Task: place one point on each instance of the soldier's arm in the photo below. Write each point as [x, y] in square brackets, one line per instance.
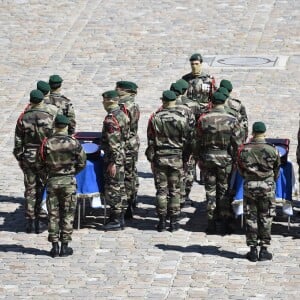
[150, 151]
[81, 158]
[277, 165]
[18, 147]
[71, 116]
[236, 139]
[244, 120]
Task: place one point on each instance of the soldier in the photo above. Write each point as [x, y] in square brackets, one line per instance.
[169, 139]
[259, 164]
[187, 178]
[63, 157]
[236, 108]
[60, 101]
[217, 139]
[33, 125]
[127, 91]
[115, 132]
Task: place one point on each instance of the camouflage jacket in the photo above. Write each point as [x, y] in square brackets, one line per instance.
[298, 149]
[62, 155]
[33, 125]
[65, 106]
[258, 160]
[169, 134]
[115, 133]
[218, 136]
[132, 110]
[200, 87]
[237, 109]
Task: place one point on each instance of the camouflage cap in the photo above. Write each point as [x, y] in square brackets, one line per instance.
[168, 96]
[43, 86]
[184, 84]
[55, 79]
[36, 96]
[226, 84]
[259, 127]
[223, 91]
[176, 88]
[127, 85]
[62, 120]
[196, 56]
[110, 94]
[218, 98]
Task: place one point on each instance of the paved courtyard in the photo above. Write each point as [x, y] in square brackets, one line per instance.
[92, 44]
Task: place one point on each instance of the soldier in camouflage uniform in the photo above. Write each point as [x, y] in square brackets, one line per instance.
[259, 164]
[115, 132]
[127, 91]
[236, 108]
[33, 125]
[169, 139]
[187, 178]
[217, 139]
[62, 157]
[60, 101]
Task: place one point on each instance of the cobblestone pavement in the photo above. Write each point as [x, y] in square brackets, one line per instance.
[93, 44]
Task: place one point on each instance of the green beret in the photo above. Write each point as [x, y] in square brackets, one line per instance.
[36, 96]
[184, 84]
[259, 127]
[218, 98]
[55, 81]
[176, 88]
[127, 85]
[168, 96]
[196, 56]
[43, 86]
[62, 119]
[226, 84]
[223, 91]
[110, 94]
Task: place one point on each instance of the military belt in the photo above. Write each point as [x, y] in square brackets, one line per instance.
[247, 179]
[61, 175]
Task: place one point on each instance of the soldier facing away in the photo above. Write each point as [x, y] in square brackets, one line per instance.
[127, 91]
[63, 103]
[115, 132]
[33, 125]
[259, 164]
[169, 140]
[63, 157]
[217, 139]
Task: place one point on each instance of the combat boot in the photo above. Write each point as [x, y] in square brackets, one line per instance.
[114, 223]
[161, 224]
[211, 227]
[264, 254]
[252, 255]
[129, 212]
[37, 225]
[29, 226]
[65, 250]
[174, 225]
[54, 252]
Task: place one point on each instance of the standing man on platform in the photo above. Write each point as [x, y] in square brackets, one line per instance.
[33, 125]
[127, 91]
[115, 133]
[63, 157]
[217, 139]
[259, 164]
[236, 108]
[60, 101]
[169, 146]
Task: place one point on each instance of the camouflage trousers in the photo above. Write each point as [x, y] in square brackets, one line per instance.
[61, 206]
[167, 178]
[33, 191]
[259, 201]
[131, 179]
[189, 175]
[114, 189]
[216, 180]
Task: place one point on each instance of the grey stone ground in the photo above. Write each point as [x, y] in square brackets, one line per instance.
[93, 44]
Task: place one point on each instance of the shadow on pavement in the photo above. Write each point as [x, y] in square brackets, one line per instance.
[205, 250]
[22, 249]
[145, 174]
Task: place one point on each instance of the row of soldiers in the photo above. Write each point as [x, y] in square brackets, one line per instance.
[200, 124]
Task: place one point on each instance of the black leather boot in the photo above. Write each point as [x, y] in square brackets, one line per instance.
[174, 225]
[65, 250]
[129, 212]
[37, 225]
[29, 226]
[54, 252]
[161, 224]
[252, 255]
[114, 222]
[264, 254]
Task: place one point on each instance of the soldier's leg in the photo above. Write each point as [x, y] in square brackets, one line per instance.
[53, 194]
[210, 189]
[189, 179]
[129, 185]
